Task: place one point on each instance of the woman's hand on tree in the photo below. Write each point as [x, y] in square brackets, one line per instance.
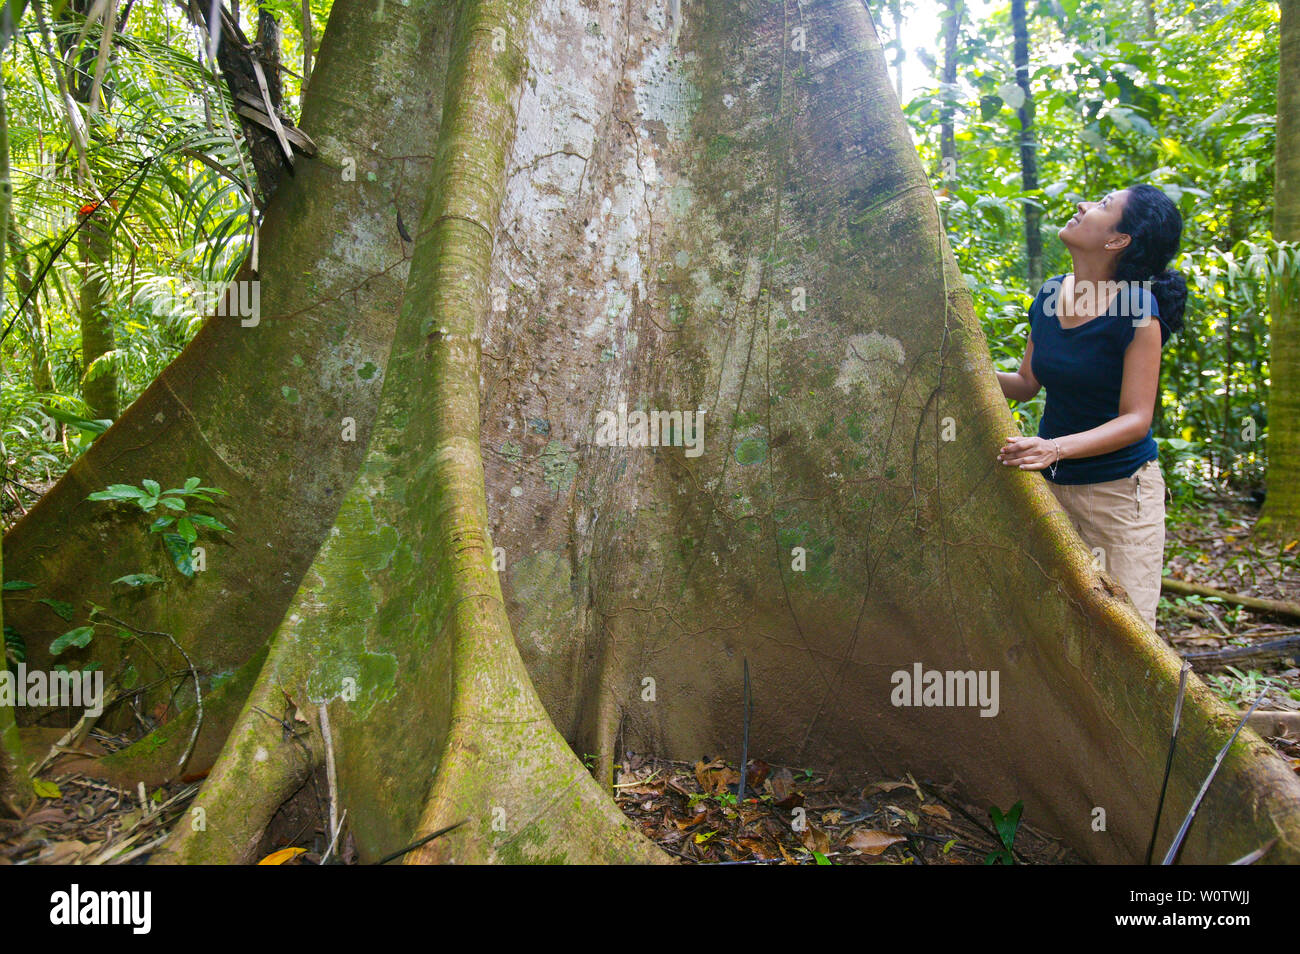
[1028, 453]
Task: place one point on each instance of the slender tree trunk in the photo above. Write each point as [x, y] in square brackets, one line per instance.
[41, 373]
[1280, 516]
[896, 12]
[1028, 148]
[308, 41]
[99, 383]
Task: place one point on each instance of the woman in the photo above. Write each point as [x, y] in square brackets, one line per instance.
[1093, 345]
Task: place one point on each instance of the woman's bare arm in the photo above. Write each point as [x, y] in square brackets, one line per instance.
[1021, 385]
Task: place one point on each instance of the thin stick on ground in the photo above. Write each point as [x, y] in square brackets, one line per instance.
[330, 774]
[416, 844]
[1169, 759]
[1205, 786]
[334, 840]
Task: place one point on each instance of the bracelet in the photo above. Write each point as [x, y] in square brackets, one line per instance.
[1058, 455]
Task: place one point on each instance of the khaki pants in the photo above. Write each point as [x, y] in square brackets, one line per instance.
[1123, 523]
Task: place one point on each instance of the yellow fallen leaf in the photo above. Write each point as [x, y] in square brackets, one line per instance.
[46, 789]
[281, 856]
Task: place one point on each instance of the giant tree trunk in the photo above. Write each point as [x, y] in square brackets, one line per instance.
[1280, 516]
[681, 208]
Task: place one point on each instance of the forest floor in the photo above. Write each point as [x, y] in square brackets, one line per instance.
[790, 815]
[1241, 653]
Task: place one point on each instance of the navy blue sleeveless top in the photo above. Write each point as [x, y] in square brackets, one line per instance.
[1082, 369]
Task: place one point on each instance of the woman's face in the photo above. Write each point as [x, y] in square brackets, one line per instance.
[1094, 225]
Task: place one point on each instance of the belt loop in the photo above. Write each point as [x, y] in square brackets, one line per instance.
[1137, 493]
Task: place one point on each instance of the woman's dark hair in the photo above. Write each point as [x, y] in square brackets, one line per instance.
[1152, 220]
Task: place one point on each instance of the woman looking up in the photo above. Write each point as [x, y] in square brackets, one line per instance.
[1095, 348]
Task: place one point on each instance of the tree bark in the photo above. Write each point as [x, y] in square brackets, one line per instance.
[99, 384]
[1280, 516]
[682, 209]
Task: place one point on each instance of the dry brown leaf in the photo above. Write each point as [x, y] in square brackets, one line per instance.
[46, 816]
[872, 841]
[874, 787]
[714, 777]
[782, 784]
[63, 852]
[814, 839]
[938, 811]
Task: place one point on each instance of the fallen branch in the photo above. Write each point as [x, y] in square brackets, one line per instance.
[1259, 605]
[1266, 651]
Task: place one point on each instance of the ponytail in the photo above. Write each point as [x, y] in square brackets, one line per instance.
[1155, 228]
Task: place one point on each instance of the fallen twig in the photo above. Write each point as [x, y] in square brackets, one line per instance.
[1169, 759]
[423, 841]
[1276, 607]
[1205, 786]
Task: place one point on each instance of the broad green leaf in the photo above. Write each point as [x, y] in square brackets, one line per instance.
[81, 423]
[152, 486]
[186, 529]
[79, 637]
[118, 492]
[203, 520]
[11, 585]
[179, 550]
[63, 609]
[138, 579]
